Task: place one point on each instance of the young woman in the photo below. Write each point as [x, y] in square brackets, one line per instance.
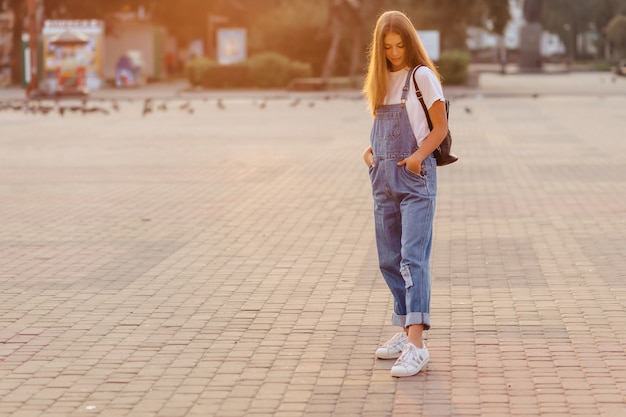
[404, 179]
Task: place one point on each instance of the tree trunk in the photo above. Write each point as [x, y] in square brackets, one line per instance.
[16, 50]
[357, 53]
[332, 51]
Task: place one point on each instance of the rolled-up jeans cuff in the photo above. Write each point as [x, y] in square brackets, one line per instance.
[405, 321]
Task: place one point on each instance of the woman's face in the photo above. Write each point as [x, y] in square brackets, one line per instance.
[394, 50]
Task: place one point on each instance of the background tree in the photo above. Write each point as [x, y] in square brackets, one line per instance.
[344, 14]
[603, 12]
[450, 17]
[18, 7]
[297, 29]
[497, 15]
[616, 33]
[568, 19]
[189, 19]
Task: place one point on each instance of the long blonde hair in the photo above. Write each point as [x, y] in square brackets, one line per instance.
[375, 87]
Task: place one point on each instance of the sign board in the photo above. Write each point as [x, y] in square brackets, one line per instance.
[430, 39]
[231, 45]
[66, 58]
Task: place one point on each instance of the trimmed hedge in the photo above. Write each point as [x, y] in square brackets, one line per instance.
[195, 67]
[454, 67]
[265, 70]
[224, 76]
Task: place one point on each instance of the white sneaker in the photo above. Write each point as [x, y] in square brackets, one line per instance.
[392, 347]
[412, 360]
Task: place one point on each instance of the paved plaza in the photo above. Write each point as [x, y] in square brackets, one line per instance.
[215, 257]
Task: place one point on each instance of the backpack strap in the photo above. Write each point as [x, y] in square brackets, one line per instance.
[421, 99]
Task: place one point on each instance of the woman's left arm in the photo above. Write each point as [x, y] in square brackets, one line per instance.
[437, 113]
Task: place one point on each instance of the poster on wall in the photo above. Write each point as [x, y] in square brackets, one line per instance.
[231, 46]
[73, 53]
[430, 39]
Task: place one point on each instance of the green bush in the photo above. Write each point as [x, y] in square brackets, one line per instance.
[195, 69]
[265, 70]
[602, 66]
[300, 70]
[454, 67]
[269, 69]
[273, 70]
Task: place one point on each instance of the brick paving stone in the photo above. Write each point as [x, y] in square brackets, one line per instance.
[223, 263]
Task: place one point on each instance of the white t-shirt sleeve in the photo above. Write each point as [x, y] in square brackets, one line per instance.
[432, 91]
[429, 85]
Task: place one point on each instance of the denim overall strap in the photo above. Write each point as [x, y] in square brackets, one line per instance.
[405, 89]
[392, 135]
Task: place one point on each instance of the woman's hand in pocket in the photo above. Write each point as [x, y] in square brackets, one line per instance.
[368, 157]
[413, 163]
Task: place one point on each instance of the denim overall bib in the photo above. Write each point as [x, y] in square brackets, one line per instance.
[404, 208]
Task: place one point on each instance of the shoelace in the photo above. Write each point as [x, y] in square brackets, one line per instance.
[395, 340]
[409, 354]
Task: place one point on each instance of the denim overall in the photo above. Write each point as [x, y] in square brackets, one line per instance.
[404, 208]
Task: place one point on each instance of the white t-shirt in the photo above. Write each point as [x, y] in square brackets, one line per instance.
[431, 92]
